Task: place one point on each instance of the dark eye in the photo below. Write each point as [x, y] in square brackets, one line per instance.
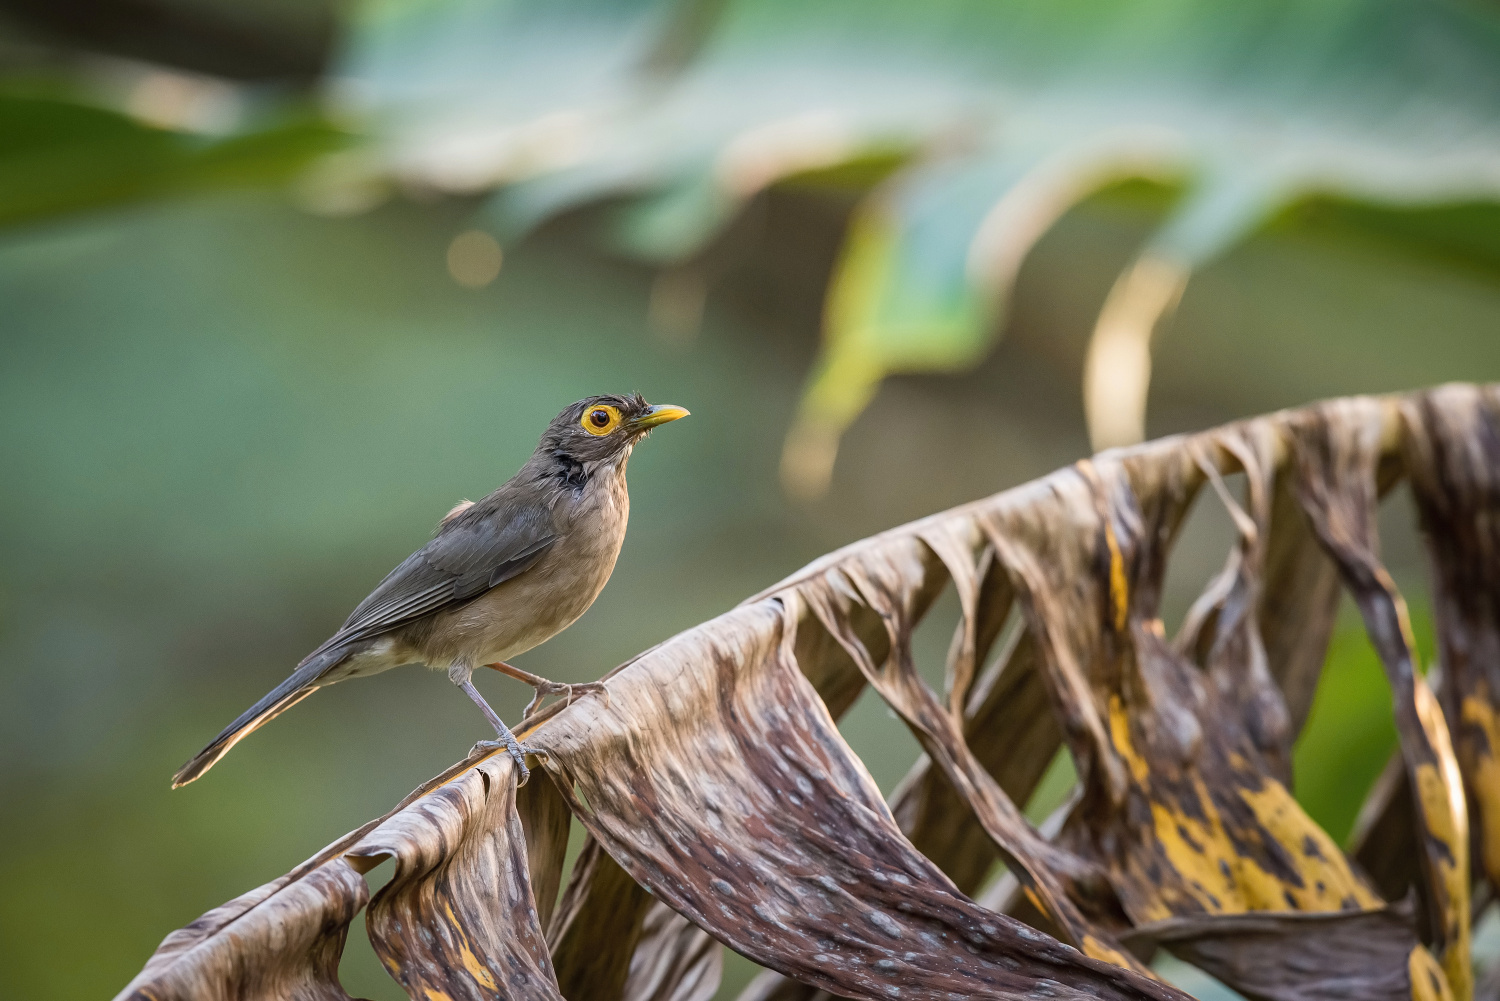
[600, 418]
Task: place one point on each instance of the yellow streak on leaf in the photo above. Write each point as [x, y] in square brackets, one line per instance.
[1095, 949]
[1440, 790]
[1219, 878]
[1427, 980]
[1432, 792]
[1119, 735]
[1281, 815]
[475, 968]
[1119, 590]
[1478, 712]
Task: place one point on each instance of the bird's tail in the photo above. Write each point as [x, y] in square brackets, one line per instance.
[302, 683]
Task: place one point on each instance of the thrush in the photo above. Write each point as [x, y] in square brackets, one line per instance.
[500, 576]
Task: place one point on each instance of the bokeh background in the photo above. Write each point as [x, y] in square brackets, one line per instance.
[253, 346]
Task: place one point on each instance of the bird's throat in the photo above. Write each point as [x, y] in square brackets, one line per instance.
[569, 472]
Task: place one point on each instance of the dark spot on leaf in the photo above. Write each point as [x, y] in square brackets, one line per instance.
[1182, 833]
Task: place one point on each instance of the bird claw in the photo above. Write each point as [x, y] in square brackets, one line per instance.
[518, 752]
[570, 692]
[543, 687]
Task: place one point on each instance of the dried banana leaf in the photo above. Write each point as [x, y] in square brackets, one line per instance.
[877, 583]
[599, 923]
[1283, 957]
[723, 806]
[752, 818]
[281, 940]
[1183, 802]
[545, 820]
[1012, 733]
[675, 960]
[457, 919]
[1338, 447]
[1452, 452]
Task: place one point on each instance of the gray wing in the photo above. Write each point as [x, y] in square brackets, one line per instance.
[466, 558]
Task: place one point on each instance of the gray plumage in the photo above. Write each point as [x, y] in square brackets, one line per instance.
[499, 577]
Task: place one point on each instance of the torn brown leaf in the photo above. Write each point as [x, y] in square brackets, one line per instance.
[1235, 655]
[1384, 840]
[881, 586]
[1306, 957]
[674, 960]
[716, 777]
[1203, 827]
[1338, 446]
[457, 920]
[545, 820]
[1012, 733]
[1299, 602]
[279, 942]
[1199, 824]
[1452, 452]
[597, 927]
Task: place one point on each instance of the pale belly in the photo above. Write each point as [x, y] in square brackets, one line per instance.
[517, 615]
[500, 624]
[520, 614]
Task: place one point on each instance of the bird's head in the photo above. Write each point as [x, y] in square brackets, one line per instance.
[601, 428]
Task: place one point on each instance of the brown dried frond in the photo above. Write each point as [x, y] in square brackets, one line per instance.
[722, 805]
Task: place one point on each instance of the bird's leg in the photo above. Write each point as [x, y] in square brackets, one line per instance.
[545, 688]
[508, 740]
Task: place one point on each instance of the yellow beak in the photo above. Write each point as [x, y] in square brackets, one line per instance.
[660, 414]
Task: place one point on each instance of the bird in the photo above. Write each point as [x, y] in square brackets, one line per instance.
[500, 576]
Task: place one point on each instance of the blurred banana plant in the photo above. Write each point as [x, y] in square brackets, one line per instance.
[991, 119]
[974, 125]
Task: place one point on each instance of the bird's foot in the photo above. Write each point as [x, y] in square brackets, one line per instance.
[570, 692]
[518, 752]
[544, 687]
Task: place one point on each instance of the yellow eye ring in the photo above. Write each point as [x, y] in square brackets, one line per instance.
[600, 420]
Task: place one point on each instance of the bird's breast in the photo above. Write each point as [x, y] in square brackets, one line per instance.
[530, 609]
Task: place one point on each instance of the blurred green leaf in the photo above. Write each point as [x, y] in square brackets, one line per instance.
[1464, 235]
[1007, 114]
[59, 156]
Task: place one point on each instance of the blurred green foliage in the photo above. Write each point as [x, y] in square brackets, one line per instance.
[983, 124]
[993, 120]
[59, 156]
